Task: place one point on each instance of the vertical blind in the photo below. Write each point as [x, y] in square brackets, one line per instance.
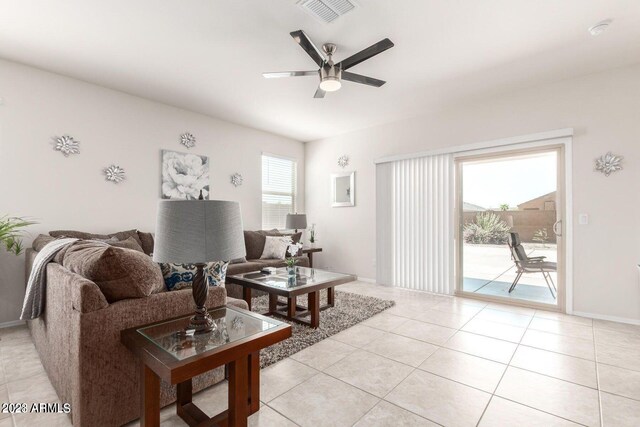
[414, 223]
[278, 190]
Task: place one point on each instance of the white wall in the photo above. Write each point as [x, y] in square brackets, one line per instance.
[112, 127]
[604, 110]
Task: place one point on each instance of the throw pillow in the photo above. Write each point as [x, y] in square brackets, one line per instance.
[119, 273]
[147, 242]
[121, 235]
[275, 247]
[180, 276]
[41, 241]
[128, 243]
[254, 244]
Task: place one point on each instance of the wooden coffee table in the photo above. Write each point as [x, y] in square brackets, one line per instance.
[168, 353]
[309, 281]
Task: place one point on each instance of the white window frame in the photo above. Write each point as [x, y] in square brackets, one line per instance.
[293, 193]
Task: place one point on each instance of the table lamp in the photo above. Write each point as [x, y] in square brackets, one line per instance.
[296, 221]
[198, 232]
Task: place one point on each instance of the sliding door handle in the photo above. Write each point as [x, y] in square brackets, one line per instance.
[557, 228]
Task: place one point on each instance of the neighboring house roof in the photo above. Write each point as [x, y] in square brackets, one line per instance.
[538, 202]
[470, 207]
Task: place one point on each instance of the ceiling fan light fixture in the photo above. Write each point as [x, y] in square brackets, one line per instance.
[330, 84]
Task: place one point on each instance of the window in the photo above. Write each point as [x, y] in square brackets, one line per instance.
[278, 190]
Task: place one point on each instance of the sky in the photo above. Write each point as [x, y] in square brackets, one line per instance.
[510, 180]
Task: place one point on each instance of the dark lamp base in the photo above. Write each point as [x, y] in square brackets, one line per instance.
[201, 322]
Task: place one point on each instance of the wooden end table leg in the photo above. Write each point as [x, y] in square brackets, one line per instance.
[291, 307]
[314, 308]
[331, 296]
[150, 401]
[185, 408]
[246, 295]
[273, 303]
[310, 256]
[254, 382]
[238, 392]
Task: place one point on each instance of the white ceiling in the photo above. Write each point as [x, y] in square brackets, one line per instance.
[208, 55]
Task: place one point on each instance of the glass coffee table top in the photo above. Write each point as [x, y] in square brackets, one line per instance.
[230, 325]
[281, 279]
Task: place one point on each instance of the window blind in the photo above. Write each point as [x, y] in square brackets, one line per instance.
[278, 191]
[414, 230]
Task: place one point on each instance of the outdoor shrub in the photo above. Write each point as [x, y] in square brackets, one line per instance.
[541, 236]
[488, 228]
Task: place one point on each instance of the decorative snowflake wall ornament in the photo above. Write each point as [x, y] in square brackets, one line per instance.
[188, 140]
[609, 163]
[343, 161]
[66, 145]
[236, 179]
[115, 174]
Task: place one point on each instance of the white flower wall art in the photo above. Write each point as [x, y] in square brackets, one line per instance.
[66, 145]
[115, 174]
[184, 175]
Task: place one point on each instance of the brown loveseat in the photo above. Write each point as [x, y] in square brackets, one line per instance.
[78, 335]
[254, 243]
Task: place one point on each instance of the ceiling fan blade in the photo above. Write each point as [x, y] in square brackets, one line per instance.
[358, 78]
[365, 54]
[319, 93]
[305, 42]
[277, 74]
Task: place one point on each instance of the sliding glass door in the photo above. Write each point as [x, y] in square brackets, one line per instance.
[509, 212]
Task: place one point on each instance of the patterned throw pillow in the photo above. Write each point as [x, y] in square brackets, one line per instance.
[180, 276]
[275, 247]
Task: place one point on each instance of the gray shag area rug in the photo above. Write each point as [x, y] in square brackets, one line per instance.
[350, 309]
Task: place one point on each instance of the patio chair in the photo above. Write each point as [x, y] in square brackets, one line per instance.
[526, 264]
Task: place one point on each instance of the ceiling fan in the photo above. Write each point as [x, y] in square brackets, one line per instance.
[330, 73]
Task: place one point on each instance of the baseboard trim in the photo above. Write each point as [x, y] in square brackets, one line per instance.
[12, 323]
[607, 317]
[365, 279]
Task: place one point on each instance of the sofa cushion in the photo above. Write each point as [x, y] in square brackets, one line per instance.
[119, 273]
[254, 241]
[296, 237]
[41, 241]
[128, 243]
[275, 247]
[147, 242]
[254, 244]
[180, 276]
[120, 235]
[301, 261]
[245, 267]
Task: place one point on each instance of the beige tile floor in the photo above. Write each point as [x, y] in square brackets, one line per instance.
[431, 360]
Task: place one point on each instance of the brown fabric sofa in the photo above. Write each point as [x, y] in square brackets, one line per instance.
[78, 339]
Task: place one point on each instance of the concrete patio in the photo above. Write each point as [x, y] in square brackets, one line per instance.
[489, 270]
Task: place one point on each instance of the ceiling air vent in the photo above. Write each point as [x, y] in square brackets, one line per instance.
[327, 10]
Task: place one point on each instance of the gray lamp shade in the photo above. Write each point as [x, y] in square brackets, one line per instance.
[296, 221]
[198, 231]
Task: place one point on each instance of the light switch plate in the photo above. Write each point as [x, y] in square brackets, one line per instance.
[583, 219]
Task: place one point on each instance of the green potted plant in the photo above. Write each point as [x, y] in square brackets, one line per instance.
[11, 231]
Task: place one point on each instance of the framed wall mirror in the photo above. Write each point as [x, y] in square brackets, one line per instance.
[343, 189]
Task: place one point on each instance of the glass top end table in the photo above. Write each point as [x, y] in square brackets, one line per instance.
[230, 325]
[168, 352]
